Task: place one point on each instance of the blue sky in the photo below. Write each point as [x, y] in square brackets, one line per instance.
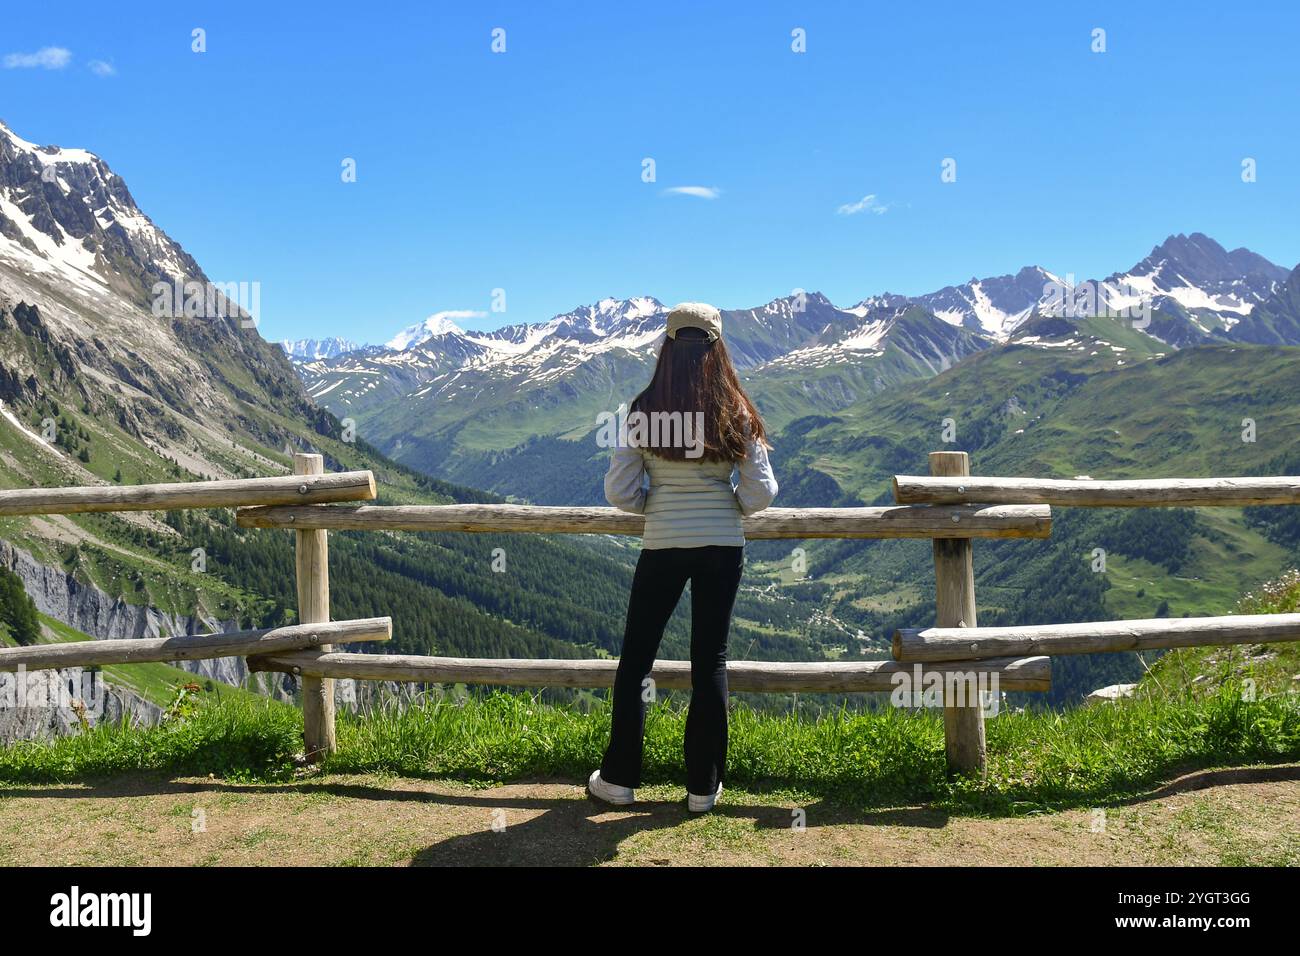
[523, 170]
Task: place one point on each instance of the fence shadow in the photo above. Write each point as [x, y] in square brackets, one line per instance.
[896, 809]
[1208, 779]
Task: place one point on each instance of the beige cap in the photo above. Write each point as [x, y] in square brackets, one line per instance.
[695, 315]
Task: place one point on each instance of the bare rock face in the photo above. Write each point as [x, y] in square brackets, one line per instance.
[88, 609]
[1112, 692]
[43, 705]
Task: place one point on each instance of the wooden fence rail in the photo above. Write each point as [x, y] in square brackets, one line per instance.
[960, 521]
[192, 647]
[967, 643]
[1029, 674]
[1144, 493]
[231, 493]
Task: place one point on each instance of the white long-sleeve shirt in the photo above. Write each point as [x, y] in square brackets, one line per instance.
[692, 503]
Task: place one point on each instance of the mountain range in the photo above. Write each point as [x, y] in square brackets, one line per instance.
[307, 349]
[438, 397]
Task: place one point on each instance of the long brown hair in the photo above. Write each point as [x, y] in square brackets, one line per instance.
[694, 375]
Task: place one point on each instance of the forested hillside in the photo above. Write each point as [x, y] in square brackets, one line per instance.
[1024, 411]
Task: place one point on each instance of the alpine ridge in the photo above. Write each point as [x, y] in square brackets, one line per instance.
[437, 390]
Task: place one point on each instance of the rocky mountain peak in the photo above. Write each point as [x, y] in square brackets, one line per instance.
[1197, 258]
[65, 212]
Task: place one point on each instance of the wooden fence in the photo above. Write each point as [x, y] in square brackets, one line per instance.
[949, 507]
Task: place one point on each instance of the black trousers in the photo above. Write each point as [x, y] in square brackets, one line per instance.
[661, 575]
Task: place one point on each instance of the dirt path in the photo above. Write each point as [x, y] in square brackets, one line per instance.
[1232, 817]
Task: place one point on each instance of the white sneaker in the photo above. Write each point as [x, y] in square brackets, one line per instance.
[609, 792]
[702, 804]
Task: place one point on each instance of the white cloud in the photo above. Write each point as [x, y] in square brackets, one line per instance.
[47, 58]
[699, 192]
[102, 68]
[865, 204]
[440, 323]
[456, 314]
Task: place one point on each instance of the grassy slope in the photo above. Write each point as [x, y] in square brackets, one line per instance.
[1036, 412]
[1030, 411]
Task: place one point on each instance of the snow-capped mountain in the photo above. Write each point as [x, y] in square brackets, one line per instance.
[869, 330]
[435, 383]
[309, 349]
[1194, 286]
[992, 307]
[435, 359]
[1189, 290]
[1276, 320]
[554, 377]
[80, 265]
[597, 322]
[440, 323]
[1197, 274]
[588, 323]
[1199, 288]
[66, 217]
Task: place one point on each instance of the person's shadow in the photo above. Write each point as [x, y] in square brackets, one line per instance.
[584, 832]
[569, 832]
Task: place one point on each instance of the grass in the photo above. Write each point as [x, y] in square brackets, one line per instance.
[230, 737]
[1092, 756]
[1197, 708]
[1222, 562]
[1271, 668]
[1086, 757]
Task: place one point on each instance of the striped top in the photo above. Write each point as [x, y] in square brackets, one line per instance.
[691, 503]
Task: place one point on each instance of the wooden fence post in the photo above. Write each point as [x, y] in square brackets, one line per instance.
[311, 561]
[954, 581]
